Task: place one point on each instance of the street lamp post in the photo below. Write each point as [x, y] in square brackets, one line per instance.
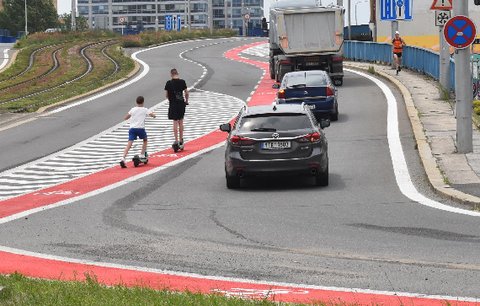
[26, 20]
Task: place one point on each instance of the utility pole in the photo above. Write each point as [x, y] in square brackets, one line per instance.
[26, 19]
[463, 90]
[243, 19]
[74, 16]
[210, 15]
[373, 19]
[349, 19]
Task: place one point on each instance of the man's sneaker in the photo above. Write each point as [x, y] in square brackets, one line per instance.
[180, 145]
[122, 164]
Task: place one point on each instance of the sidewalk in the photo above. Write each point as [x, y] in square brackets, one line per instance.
[452, 174]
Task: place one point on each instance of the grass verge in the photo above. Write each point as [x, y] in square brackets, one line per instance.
[20, 290]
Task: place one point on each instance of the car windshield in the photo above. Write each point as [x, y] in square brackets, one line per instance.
[306, 80]
[274, 122]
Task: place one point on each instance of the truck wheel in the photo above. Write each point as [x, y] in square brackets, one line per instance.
[282, 70]
[338, 82]
[272, 71]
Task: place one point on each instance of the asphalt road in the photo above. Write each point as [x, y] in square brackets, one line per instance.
[360, 231]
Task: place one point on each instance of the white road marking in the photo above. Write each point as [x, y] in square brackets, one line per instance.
[5, 59]
[236, 280]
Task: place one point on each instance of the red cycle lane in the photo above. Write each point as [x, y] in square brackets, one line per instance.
[51, 267]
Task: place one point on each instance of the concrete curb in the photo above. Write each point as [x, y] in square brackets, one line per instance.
[429, 162]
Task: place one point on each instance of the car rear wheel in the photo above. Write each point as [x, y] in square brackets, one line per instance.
[233, 182]
[334, 117]
[321, 179]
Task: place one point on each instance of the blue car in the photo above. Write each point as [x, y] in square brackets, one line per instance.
[312, 87]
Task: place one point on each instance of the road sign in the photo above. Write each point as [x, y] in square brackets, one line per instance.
[441, 17]
[396, 10]
[122, 19]
[444, 5]
[177, 23]
[460, 32]
[247, 17]
[168, 22]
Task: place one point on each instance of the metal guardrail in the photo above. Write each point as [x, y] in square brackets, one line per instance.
[414, 58]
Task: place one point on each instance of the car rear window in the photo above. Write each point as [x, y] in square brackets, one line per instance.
[311, 80]
[275, 122]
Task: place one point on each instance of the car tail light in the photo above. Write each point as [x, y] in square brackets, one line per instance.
[241, 141]
[330, 91]
[281, 94]
[312, 137]
[337, 58]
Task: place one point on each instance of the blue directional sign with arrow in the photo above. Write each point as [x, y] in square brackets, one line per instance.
[460, 32]
[396, 10]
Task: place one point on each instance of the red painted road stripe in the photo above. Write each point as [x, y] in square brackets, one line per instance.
[109, 274]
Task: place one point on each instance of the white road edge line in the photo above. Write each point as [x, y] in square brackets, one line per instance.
[5, 59]
[233, 279]
[402, 175]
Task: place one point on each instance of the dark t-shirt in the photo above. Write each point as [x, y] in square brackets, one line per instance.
[174, 85]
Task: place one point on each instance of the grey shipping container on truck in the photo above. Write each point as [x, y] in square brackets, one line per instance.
[304, 36]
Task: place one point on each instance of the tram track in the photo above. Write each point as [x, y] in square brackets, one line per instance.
[89, 67]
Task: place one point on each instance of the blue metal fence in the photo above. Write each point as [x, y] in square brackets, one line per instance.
[414, 58]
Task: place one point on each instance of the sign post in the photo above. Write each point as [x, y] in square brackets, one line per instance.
[460, 33]
[442, 15]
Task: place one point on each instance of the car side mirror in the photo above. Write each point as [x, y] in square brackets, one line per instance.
[324, 123]
[276, 86]
[225, 127]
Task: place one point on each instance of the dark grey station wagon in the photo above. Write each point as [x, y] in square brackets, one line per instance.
[276, 139]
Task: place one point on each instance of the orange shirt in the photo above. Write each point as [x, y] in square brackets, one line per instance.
[397, 45]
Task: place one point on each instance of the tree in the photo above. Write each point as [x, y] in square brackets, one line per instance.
[41, 15]
[82, 22]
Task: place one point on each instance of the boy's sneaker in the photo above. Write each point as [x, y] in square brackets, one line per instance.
[122, 164]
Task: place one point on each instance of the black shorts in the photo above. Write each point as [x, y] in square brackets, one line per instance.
[399, 54]
[176, 111]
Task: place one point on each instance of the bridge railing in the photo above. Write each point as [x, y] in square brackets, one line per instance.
[414, 58]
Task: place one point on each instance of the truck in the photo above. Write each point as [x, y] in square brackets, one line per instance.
[304, 35]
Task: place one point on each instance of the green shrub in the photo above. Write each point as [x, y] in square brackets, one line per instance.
[476, 109]
[476, 103]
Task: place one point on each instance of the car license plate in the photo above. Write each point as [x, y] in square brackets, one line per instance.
[276, 145]
[311, 106]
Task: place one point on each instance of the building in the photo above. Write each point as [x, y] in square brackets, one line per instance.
[117, 15]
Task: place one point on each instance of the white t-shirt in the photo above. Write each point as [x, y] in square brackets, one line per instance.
[138, 115]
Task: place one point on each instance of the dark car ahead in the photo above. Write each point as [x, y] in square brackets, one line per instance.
[276, 139]
[312, 87]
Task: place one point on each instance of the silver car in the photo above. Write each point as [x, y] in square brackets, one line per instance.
[276, 139]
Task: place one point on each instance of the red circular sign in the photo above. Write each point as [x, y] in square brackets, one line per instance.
[459, 32]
